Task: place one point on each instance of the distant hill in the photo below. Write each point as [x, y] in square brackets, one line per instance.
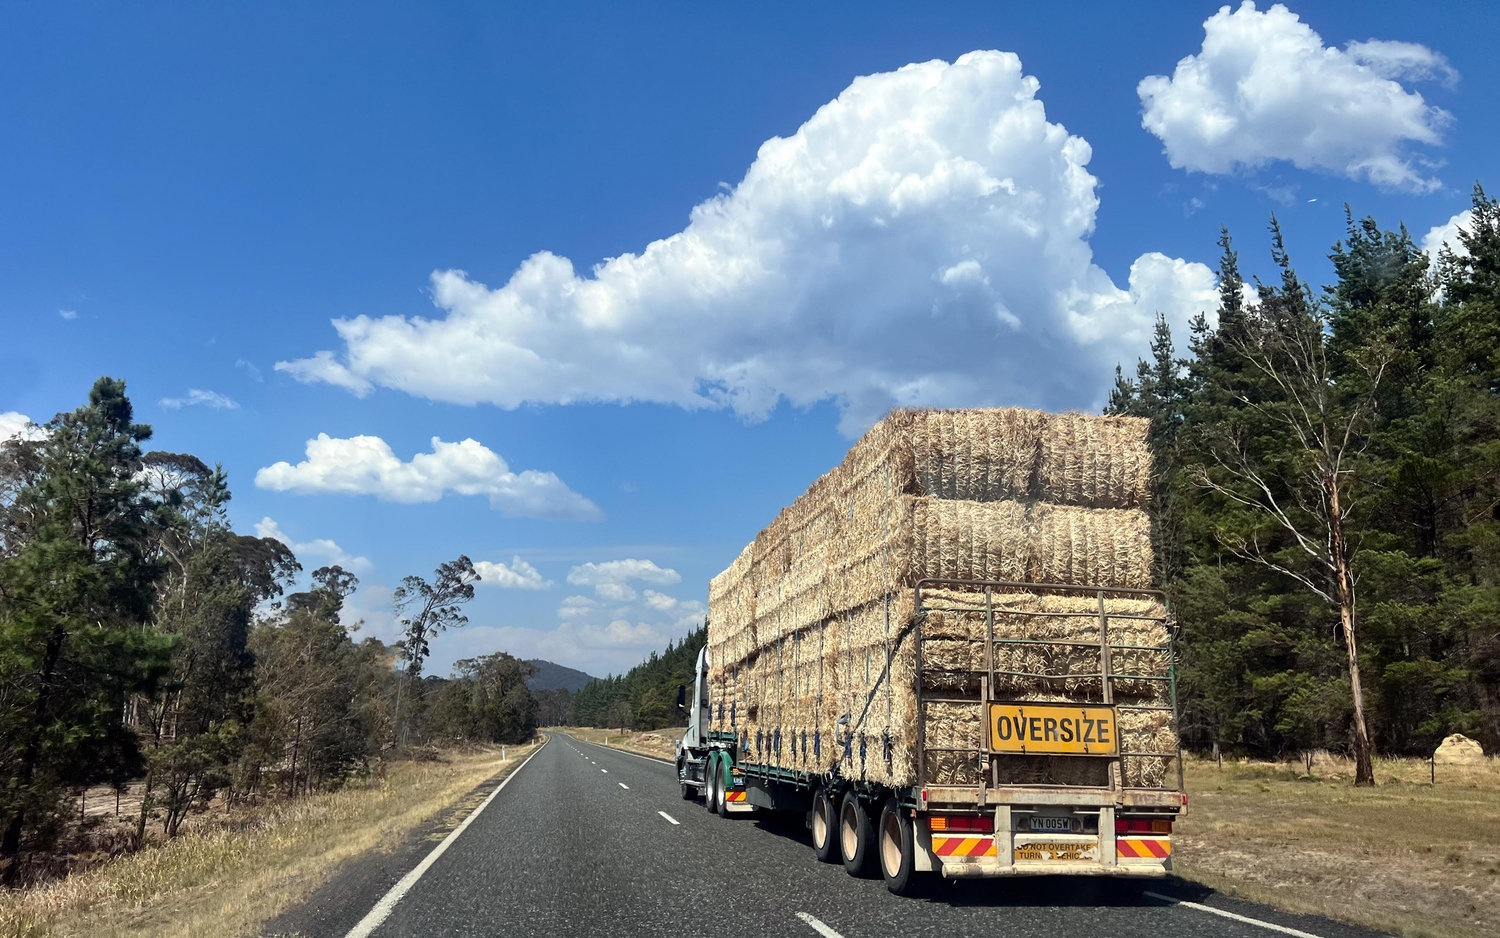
[551, 676]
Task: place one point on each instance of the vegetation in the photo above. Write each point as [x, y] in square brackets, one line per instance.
[229, 876]
[143, 643]
[1329, 499]
[645, 697]
[1406, 858]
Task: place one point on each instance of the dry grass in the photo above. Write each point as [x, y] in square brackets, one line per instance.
[225, 881]
[1404, 857]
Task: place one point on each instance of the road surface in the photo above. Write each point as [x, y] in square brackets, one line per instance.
[585, 840]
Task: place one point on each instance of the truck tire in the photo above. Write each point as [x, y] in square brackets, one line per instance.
[721, 792]
[710, 781]
[856, 837]
[825, 827]
[688, 791]
[898, 850]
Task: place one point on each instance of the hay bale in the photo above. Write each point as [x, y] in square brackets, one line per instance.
[1459, 749]
[1097, 462]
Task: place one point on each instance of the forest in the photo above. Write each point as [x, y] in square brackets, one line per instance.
[1327, 527]
[144, 643]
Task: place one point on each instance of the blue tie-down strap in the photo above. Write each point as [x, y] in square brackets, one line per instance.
[817, 744]
[887, 751]
[804, 744]
[793, 737]
[731, 714]
[849, 748]
[721, 711]
[760, 741]
[776, 745]
[861, 750]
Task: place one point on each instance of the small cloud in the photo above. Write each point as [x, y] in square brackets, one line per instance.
[249, 369]
[199, 398]
[610, 579]
[517, 575]
[17, 426]
[321, 548]
[1310, 201]
[366, 465]
[68, 314]
[614, 592]
[575, 607]
[1446, 235]
[1264, 88]
[1192, 206]
[660, 601]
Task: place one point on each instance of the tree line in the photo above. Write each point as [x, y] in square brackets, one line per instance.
[1328, 497]
[143, 642]
[645, 697]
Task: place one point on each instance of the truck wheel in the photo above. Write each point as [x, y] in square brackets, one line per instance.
[824, 829]
[898, 848]
[710, 781]
[721, 793]
[688, 791]
[856, 837]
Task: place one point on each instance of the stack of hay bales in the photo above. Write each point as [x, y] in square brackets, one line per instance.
[808, 620]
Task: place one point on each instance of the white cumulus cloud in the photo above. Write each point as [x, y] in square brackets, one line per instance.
[1264, 88]
[18, 426]
[517, 575]
[366, 465]
[921, 239]
[1446, 234]
[321, 548]
[199, 398]
[609, 578]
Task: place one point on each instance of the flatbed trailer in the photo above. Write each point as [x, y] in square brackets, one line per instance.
[994, 827]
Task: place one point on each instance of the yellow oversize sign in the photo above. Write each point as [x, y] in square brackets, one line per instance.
[1045, 729]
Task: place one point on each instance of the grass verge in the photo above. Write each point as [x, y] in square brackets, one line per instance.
[1405, 857]
[225, 881]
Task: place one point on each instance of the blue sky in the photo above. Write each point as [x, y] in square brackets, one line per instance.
[193, 193]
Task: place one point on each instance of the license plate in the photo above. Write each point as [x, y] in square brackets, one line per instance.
[1062, 825]
[1033, 729]
[1056, 851]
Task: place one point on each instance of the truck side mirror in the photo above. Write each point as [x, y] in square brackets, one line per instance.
[681, 697]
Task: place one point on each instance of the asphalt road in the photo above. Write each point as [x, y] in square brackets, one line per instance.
[586, 840]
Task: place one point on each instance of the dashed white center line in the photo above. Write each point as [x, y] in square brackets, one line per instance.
[624, 786]
[818, 926]
[605, 771]
[1271, 926]
[669, 817]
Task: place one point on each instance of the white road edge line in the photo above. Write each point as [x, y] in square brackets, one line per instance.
[1238, 918]
[818, 926]
[669, 817]
[625, 786]
[376, 916]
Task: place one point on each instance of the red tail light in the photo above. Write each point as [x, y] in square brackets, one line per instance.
[962, 822]
[1143, 825]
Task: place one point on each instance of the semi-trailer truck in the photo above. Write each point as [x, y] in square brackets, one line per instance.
[948, 656]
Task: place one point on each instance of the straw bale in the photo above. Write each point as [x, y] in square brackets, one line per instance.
[1052, 770]
[1098, 462]
[953, 726]
[1091, 546]
[968, 540]
[977, 455]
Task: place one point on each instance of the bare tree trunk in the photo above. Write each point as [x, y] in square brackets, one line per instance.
[1364, 770]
